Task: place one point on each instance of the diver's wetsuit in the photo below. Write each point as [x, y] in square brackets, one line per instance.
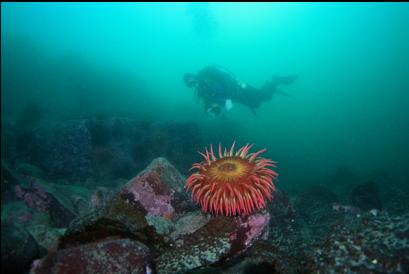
[215, 87]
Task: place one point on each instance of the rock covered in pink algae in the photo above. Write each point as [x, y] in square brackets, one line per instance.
[254, 226]
[157, 188]
[169, 175]
[154, 196]
[125, 213]
[111, 256]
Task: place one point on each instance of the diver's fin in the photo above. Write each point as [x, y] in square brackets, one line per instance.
[283, 80]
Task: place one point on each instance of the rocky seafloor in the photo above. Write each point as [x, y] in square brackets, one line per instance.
[69, 207]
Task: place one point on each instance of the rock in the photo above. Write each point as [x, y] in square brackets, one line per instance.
[265, 257]
[122, 218]
[121, 146]
[113, 141]
[81, 205]
[314, 199]
[110, 256]
[282, 252]
[189, 223]
[36, 223]
[149, 190]
[8, 182]
[63, 150]
[162, 225]
[60, 216]
[17, 144]
[29, 170]
[315, 206]
[18, 248]
[38, 197]
[74, 197]
[219, 239]
[16, 212]
[281, 210]
[157, 188]
[151, 210]
[104, 149]
[396, 201]
[366, 196]
[145, 196]
[261, 267]
[368, 244]
[169, 175]
[46, 236]
[101, 197]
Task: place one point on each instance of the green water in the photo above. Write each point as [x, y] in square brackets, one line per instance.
[349, 105]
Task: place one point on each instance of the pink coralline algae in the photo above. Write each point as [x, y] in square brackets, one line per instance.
[255, 225]
[156, 189]
[153, 195]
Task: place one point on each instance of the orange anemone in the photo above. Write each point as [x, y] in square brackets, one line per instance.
[234, 183]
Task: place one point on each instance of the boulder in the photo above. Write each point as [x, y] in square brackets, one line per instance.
[18, 248]
[110, 256]
[134, 210]
[221, 238]
[37, 196]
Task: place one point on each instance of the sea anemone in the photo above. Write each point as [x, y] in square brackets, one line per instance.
[234, 183]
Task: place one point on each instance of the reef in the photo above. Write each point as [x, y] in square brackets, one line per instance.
[107, 204]
[150, 213]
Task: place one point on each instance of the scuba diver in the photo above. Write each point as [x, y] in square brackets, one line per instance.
[219, 89]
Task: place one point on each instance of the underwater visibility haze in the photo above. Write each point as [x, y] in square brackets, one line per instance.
[198, 137]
